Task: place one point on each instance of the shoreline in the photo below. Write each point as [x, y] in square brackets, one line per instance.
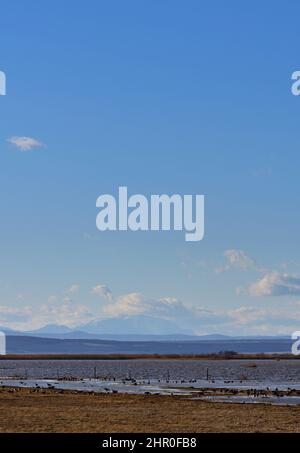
[223, 392]
[44, 410]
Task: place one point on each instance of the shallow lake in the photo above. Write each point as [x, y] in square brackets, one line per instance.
[240, 381]
[273, 371]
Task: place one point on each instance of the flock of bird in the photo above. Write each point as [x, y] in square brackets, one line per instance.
[249, 392]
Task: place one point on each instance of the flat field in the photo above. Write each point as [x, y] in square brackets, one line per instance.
[37, 410]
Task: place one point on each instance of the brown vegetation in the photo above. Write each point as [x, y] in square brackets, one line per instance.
[25, 410]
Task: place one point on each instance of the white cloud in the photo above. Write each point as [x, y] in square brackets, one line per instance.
[247, 315]
[73, 289]
[134, 304]
[25, 143]
[29, 317]
[171, 308]
[12, 314]
[102, 291]
[63, 314]
[237, 259]
[129, 305]
[276, 284]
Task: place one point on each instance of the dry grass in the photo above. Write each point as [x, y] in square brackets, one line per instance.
[56, 411]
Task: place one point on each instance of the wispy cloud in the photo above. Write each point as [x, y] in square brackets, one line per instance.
[73, 289]
[102, 291]
[32, 317]
[237, 259]
[275, 284]
[25, 143]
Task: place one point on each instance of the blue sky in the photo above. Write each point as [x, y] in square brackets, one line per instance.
[163, 97]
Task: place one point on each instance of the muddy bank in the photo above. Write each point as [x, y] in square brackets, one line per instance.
[220, 391]
[44, 410]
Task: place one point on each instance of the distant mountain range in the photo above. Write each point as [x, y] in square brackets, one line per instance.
[21, 344]
[111, 331]
[109, 338]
